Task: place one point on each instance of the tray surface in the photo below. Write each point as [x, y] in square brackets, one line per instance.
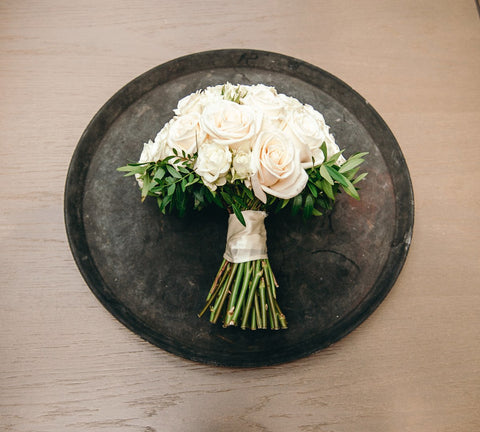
[152, 272]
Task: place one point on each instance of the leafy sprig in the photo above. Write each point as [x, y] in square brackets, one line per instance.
[325, 181]
[177, 187]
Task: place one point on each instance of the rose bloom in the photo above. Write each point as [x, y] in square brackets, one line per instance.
[151, 152]
[290, 103]
[265, 100]
[332, 147]
[192, 103]
[155, 150]
[278, 168]
[242, 167]
[230, 124]
[213, 164]
[184, 134]
[307, 130]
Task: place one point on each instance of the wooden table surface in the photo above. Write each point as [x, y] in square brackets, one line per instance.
[66, 364]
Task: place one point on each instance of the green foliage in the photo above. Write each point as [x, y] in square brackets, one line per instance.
[176, 186]
[325, 181]
[172, 181]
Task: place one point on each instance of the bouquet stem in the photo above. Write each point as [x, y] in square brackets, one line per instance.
[245, 294]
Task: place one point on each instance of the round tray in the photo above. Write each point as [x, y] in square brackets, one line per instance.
[152, 272]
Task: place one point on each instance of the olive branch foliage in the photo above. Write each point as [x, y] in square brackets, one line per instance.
[177, 187]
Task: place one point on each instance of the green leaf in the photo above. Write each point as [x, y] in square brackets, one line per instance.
[350, 190]
[159, 174]
[346, 184]
[323, 148]
[171, 190]
[327, 188]
[239, 215]
[308, 209]
[125, 168]
[168, 159]
[350, 174]
[184, 184]
[316, 212]
[350, 164]
[337, 176]
[249, 193]
[313, 189]
[226, 198]
[358, 155]
[239, 201]
[147, 183]
[173, 172]
[164, 202]
[324, 172]
[195, 180]
[131, 170]
[332, 159]
[360, 178]
[180, 201]
[297, 204]
[181, 169]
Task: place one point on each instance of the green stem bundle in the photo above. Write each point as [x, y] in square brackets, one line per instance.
[245, 294]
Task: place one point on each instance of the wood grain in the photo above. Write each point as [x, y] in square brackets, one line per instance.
[67, 365]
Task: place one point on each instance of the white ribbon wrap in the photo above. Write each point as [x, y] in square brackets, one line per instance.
[246, 243]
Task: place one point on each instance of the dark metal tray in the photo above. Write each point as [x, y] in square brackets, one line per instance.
[152, 272]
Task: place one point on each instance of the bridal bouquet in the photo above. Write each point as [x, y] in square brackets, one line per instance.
[249, 150]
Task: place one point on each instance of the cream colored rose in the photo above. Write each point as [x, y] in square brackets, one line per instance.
[307, 133]
[150, 153]
[332, 147]
[264, 99]
[230, 124]
[184, 134]
[213, 92]
[213, 164]
[307, 129]
[155, 150]
[194, 102]
[278, 168]
[289, 102]
[242, 167]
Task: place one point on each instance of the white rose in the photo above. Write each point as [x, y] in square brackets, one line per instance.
[213, 92]
[242, 167]
[289, 102]
[230, 124]
[278, 168]
[184, 134]
[213, 164]
[332, 147]
[150, 152]
[155, 150]
[265, 100]
[192, 103]
[307, 130]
